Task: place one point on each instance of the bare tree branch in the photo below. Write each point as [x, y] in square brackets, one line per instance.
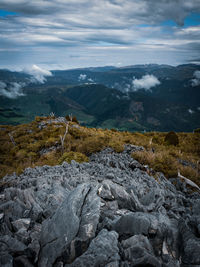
[70, 117]
[12, 139]
[62, 138]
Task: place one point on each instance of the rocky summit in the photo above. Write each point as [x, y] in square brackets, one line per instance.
[111, 211]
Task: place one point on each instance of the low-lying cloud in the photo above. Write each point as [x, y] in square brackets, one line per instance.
[11, 90]
[82, 77]
[190, 111]
[38, 74]
[196, 80]
[146, 82]
[90, 80]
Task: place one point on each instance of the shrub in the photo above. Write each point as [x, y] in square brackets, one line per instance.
[39, 119]
[117, 146]
[74, 119]
[77, 133]
[69, 156]
[92, 144]
[197, 130]
[67, 118]
[157, 140]
[35, 147]
[172, 139]
[32, 155]
[21, 154]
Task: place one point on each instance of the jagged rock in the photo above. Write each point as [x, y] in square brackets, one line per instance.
[89, 215]
[43, 124]
[82, 207]
[11, 245]
[6, 260]
[34, 245]
[18, 202]
[187, 163]
[53, 216]
[49, 149]
[1, 217]
[23, 236]
[102, 250]
[22, 261]
[135, 164]
[14, 208]
[196, 207]
[138, 251]
[113, 191]
[21, 224]
[136, 223]
[132, 148]
[190, 245]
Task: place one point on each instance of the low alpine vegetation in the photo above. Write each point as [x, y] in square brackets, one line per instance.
[39, 143]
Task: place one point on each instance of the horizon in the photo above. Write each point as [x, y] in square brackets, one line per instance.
[24, 70]
[81, 34]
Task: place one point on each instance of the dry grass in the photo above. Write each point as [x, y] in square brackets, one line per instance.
[167, 158]
[30, 140]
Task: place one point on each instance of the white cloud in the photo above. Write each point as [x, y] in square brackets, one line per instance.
[38, 73]
[12, 90]
[82, 77]
[190, 111]
[90, 80]
[146, 82]
[196, 80]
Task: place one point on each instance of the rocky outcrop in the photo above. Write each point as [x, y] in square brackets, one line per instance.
[108, 212]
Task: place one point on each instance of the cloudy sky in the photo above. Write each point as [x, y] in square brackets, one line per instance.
[63, 34]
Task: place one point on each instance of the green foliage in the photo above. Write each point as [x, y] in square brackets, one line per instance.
[69, 156]
[172, 139]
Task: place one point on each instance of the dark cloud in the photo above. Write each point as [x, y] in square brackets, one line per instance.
[97, 28]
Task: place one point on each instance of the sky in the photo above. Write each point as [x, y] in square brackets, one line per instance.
[64, 34]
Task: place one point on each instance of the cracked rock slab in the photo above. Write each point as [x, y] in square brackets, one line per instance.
[70, 219]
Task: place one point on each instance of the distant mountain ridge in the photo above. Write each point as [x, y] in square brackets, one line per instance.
[110, 97]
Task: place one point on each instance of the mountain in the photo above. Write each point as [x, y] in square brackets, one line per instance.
[136, 98]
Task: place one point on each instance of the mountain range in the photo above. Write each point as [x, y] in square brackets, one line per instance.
[136, 98]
